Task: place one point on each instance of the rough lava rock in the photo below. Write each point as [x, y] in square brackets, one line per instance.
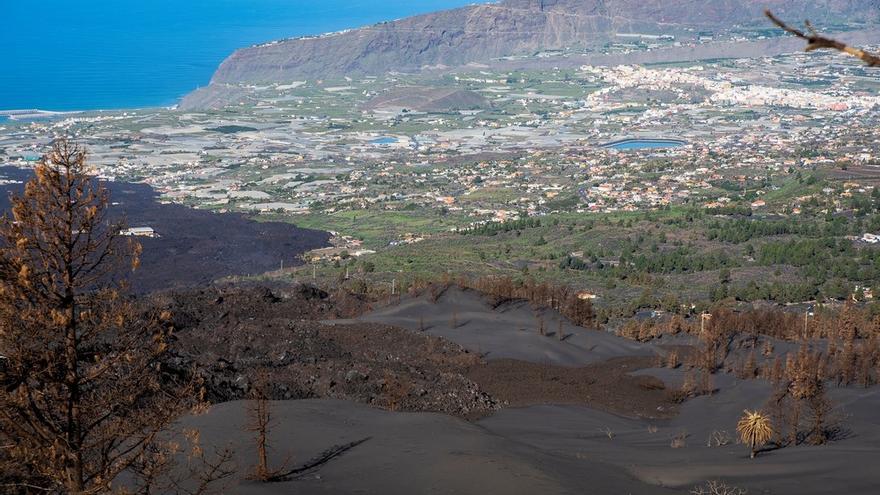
[233, 336]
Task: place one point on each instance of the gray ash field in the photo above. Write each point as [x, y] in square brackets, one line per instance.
[359, 378]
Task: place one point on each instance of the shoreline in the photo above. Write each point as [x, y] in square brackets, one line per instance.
[36, 113]
[29, 114]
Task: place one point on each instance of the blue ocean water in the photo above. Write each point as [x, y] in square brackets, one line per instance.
[109, 54]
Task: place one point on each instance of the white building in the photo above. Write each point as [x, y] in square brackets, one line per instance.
[871, 238]
[139, 232]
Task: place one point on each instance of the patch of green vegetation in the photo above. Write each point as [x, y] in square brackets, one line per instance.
[377, 228]
[633, 259]
[792, 189]
[490, 195]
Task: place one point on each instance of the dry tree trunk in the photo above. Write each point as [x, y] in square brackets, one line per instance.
[260, 418]
[260, 414]
[84, 395]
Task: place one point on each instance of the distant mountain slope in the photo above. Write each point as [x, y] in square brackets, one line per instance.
[511, 27]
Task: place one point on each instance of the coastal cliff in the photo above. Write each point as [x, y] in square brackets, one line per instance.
[513, 27]
[493, 33]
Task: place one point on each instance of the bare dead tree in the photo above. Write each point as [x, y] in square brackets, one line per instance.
[171, 467]
[815, 41]
[260, 419]
[260, 413]
[84, 397]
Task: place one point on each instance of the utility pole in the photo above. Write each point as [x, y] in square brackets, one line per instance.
[314, 272]
[393, 285]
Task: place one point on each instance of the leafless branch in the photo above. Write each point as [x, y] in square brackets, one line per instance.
[815, 41]
[25, 486]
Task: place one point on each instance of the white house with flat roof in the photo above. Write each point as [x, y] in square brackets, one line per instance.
[139, 232]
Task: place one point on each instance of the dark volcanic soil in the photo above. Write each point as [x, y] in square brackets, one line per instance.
[587, 415]
[195, 247]
[293, 333]
[606, 386]
[235, 335]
